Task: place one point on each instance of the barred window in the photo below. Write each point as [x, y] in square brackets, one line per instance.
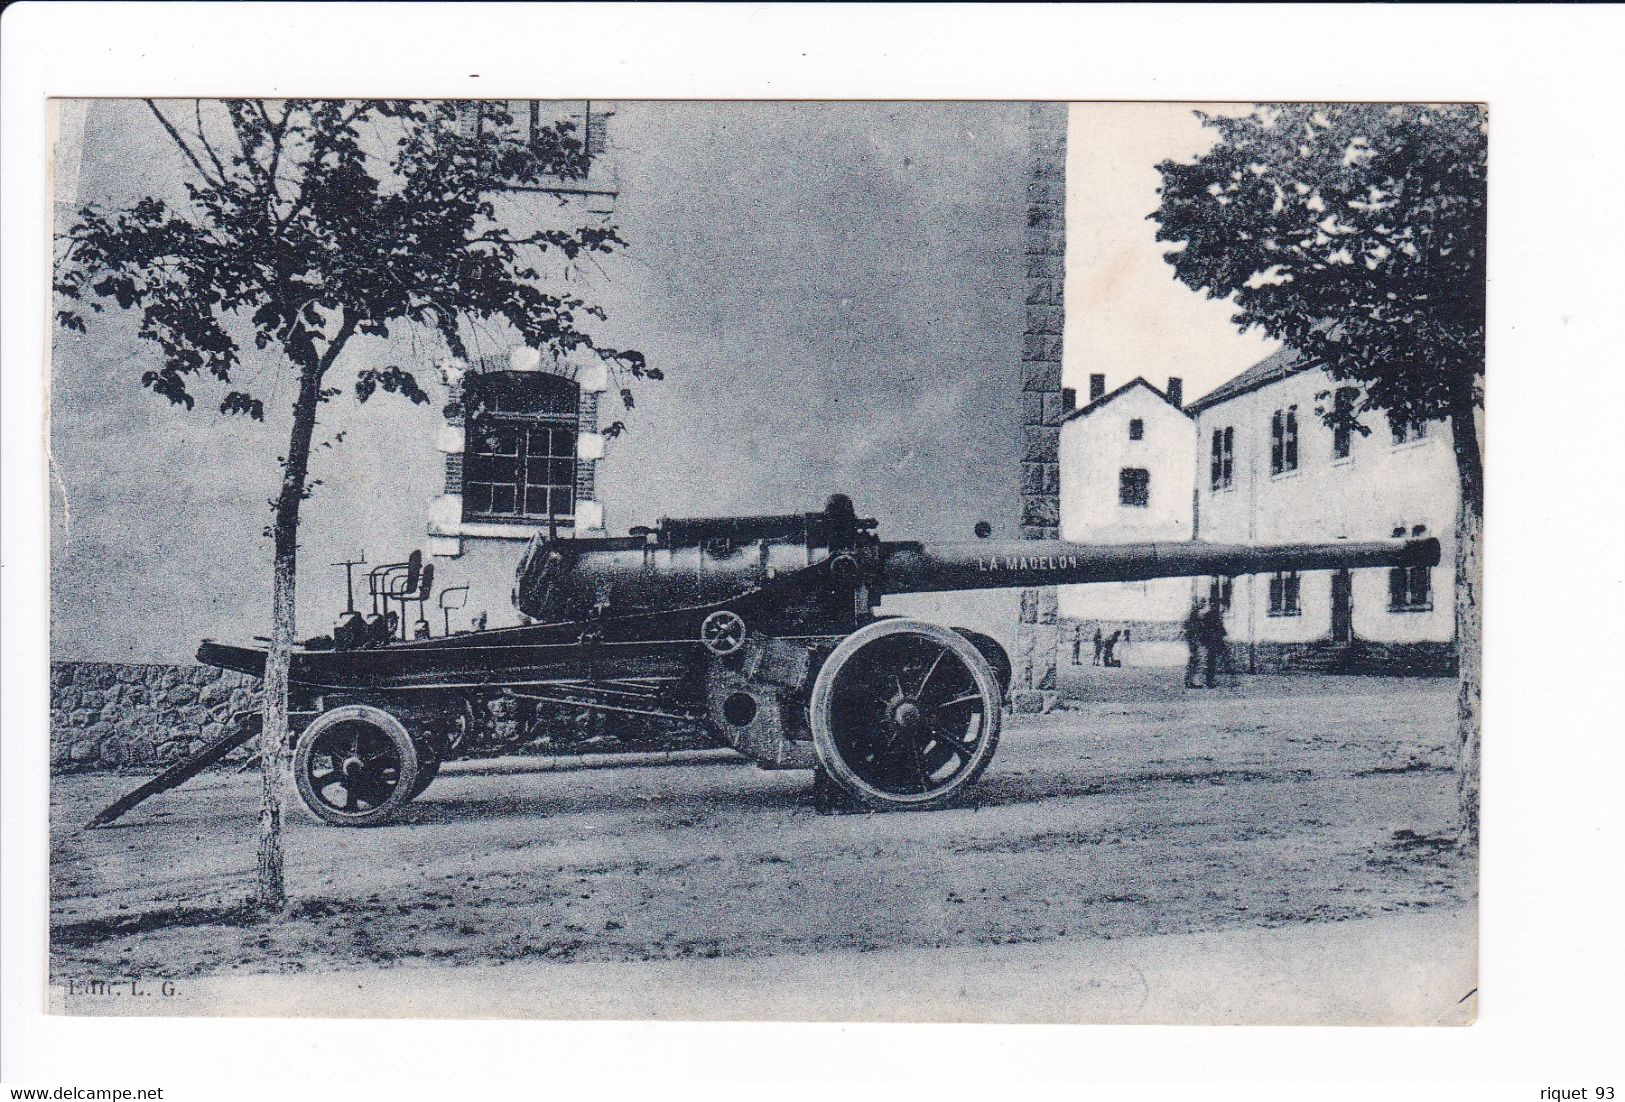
[1222, 462]
[519, 455]
[1284, 440]
[1284, 594]
[1220, 591]
[1134, 487]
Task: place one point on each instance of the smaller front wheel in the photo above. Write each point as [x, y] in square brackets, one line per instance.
[356, 766]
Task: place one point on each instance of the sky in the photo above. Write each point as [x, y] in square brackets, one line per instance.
[1126, 315]
[834, 292]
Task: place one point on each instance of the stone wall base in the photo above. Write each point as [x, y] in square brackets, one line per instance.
[114, 715]
[1359, 657]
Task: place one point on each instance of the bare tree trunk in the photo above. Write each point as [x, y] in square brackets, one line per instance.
[271, 893]
[1469, 617]
[271, 888]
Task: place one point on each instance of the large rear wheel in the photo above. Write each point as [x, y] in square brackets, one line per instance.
[905, 714]
[356, 766]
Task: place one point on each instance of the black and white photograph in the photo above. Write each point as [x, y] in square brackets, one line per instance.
[767, 560]
[896, 550]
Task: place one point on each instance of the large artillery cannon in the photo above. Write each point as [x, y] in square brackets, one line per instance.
[761, 631]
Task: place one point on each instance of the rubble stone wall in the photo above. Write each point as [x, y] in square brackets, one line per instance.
[107, 715]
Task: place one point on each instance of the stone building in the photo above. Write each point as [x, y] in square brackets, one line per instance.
[1127, 478]
[520, 434]
[1269, 470]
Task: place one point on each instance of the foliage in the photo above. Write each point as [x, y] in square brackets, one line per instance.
[1353, 233]
[308, 218]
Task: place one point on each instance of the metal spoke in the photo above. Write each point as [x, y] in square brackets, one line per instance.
[963, 749]
[964, 698]
[919, 767]
[926, 680]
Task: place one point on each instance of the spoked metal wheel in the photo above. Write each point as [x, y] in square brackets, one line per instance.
[355, 766]
[905, 714]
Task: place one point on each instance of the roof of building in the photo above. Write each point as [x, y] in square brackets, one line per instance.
[1138, 380]
[1272, 368]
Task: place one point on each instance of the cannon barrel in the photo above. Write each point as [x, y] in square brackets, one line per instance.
[912, 567]
[697, 562]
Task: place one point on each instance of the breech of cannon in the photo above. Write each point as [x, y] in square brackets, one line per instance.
[910, 567]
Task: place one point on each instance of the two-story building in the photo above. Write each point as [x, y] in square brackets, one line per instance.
[520, 432]
[1270, 470]
[1126, 477]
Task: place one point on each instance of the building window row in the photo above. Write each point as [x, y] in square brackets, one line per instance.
[1284, 440]
[1410, 589]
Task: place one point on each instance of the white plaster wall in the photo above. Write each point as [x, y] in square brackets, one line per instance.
[1377, 488]
[1094, 449]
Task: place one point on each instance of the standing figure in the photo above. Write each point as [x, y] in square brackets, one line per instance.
[1077, 644]
[1100, 646]
[1192, 631]
[1122, 646]
[1213, 641]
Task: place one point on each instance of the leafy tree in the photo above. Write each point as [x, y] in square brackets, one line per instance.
[1355, 234]
[308, 223]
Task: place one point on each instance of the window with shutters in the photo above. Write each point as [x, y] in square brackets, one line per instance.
[1284, 594]
[1284, 441]
[1410, 588]
[1408, 432]
[1222, 459]
[1134, 487]
[1343, 423]
[519, 451]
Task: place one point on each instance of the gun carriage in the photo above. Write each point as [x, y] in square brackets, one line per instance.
[760, 631]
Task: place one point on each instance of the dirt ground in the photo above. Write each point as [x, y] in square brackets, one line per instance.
[1283, 801]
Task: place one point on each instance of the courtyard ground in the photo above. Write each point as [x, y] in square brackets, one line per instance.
[1272, 830]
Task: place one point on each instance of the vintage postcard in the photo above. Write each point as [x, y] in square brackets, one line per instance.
[878, 561]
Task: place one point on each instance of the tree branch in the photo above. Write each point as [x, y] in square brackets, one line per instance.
[197, 113]
[180, 142]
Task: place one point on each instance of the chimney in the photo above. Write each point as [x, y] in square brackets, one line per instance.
[1176, 392]
[1069, 400]
[1097, 387]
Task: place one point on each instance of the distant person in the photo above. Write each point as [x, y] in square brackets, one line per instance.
[1192, 631]
[1123, 645]
[1110, 655]
[1100, 646]
[1077, 644]
[1215, 644]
